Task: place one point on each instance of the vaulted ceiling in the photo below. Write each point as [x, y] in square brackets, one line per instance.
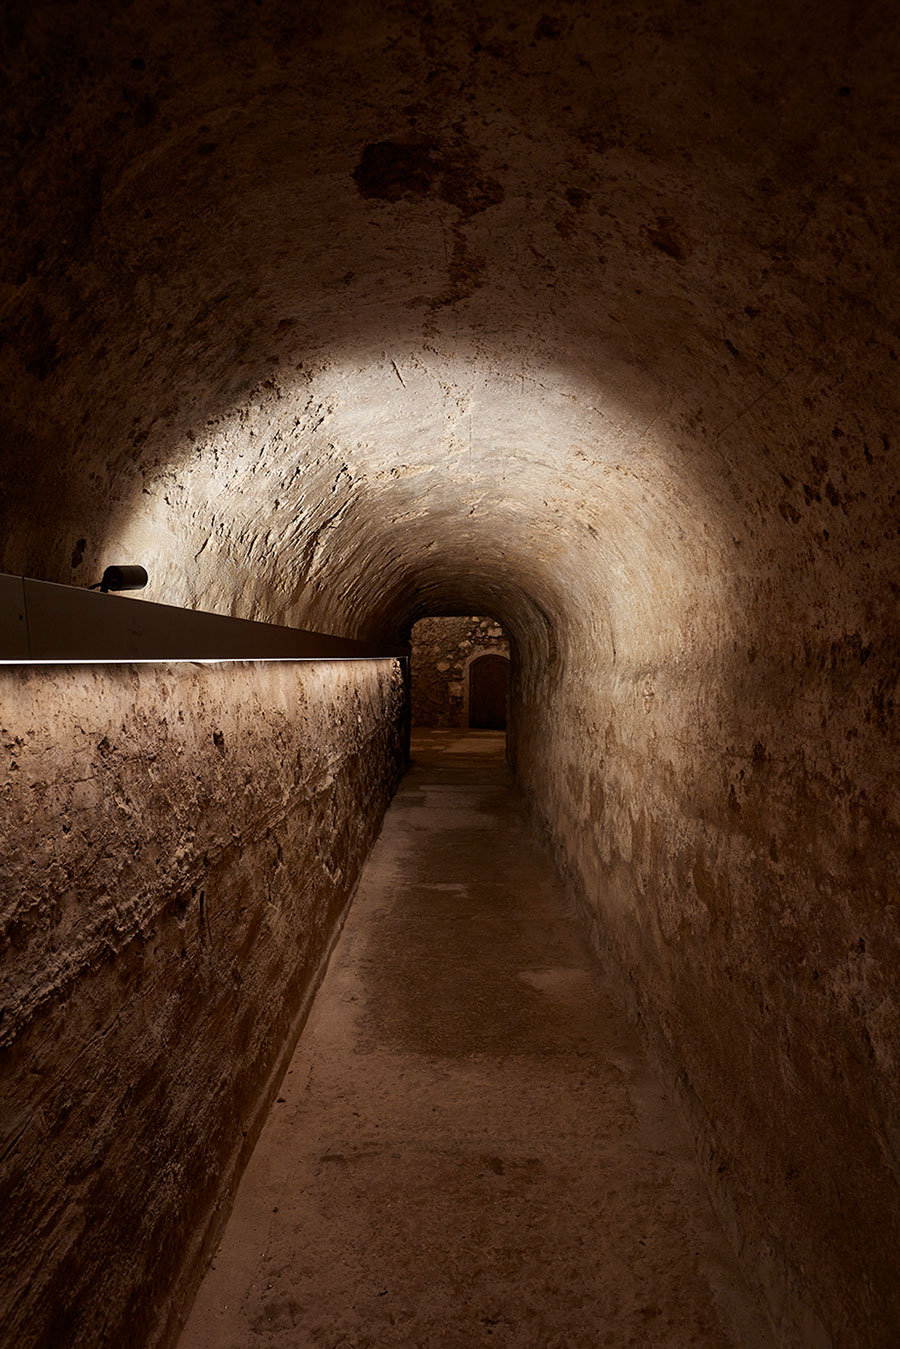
[344, 314]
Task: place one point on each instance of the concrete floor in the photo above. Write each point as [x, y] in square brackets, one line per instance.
[469, 1147]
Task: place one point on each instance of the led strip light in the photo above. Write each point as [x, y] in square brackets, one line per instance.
[46, 624]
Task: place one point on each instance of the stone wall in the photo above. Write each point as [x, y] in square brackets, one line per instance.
[728, 820]
[442, 650]
[179, 843]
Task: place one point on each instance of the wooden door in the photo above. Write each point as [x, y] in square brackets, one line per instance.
[488, 682]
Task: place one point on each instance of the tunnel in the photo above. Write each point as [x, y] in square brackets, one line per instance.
[581, 318]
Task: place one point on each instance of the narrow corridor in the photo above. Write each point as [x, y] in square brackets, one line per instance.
[469, 1147]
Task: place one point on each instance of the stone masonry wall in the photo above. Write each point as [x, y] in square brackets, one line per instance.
[731, 835]
[179, 844]
[442, 649]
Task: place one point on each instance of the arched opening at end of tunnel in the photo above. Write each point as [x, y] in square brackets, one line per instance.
[459, 682]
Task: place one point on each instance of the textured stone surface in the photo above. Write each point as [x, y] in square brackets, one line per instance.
[469, 1147]
[582, 317]
[178, 845]
[442, 650]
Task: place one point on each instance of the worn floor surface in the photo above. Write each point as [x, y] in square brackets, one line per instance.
[469, 1147]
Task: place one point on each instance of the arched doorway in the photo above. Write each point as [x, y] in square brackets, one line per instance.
[488, 682]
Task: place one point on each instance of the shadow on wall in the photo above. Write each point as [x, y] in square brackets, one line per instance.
[459, 673]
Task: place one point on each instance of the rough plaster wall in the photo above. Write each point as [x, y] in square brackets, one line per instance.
[441, 650]
[178, 844]
[730, 829]
[584, 317]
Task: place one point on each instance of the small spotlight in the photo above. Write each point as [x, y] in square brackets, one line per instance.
[122, 578]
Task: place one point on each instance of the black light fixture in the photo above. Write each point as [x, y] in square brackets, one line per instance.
[122, 578]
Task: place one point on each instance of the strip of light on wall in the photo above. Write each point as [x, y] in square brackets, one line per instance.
[46, 624]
